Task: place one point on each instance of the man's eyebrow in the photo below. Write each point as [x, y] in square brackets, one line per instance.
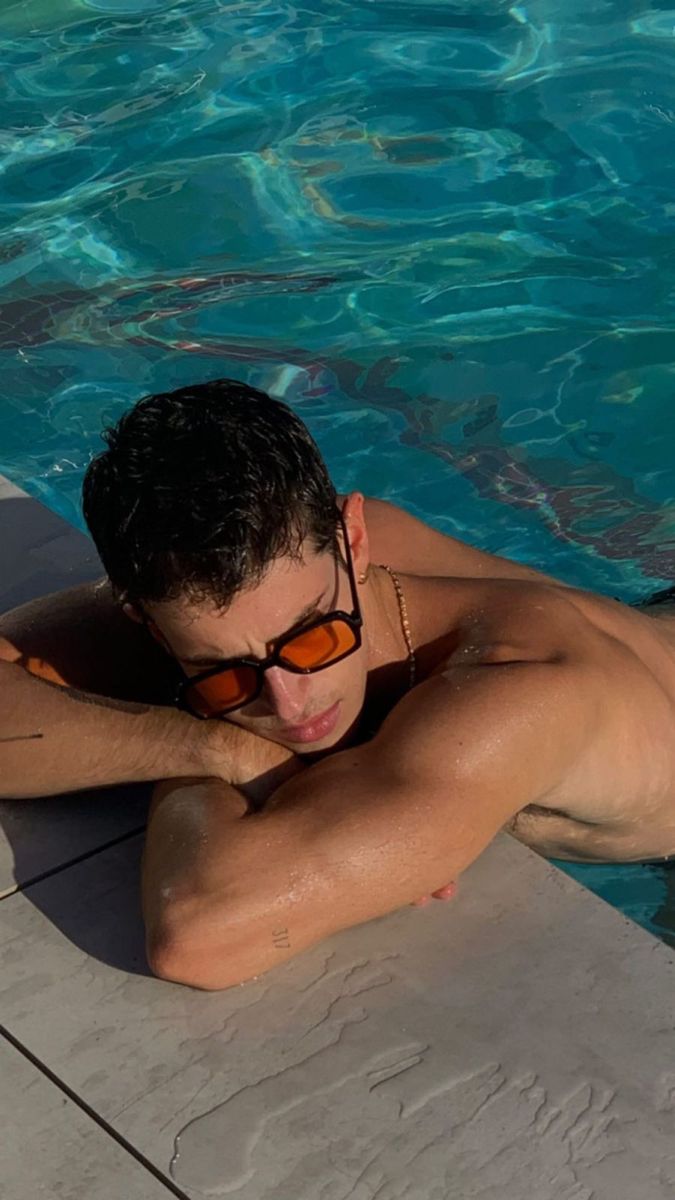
[312, 610]
[211, 660]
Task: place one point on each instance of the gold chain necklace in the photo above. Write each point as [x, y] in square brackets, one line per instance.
[405, 623]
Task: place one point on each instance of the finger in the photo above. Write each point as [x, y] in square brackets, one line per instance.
[446, 892]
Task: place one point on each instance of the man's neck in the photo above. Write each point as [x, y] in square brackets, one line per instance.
[383, 623]
[435, 610]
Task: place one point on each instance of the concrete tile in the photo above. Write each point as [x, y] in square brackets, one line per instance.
[50, 1147]
[40, 553]
[43, 835]
[516, 1042]
[9, 490]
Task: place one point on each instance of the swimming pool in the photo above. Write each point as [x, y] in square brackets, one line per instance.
[442, 230]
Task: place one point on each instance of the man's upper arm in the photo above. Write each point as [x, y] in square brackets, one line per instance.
[372, 828]
[80, 637]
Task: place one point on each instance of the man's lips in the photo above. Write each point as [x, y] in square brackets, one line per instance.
[316, 728]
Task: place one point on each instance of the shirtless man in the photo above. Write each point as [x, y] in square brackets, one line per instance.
[373, 727]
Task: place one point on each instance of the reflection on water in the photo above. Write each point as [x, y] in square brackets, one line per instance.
[441, 229]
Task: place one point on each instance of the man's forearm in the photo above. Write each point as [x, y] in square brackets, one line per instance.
[54, 739]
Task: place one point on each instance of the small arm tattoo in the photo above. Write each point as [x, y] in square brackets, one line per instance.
[281, 939]
[128, 706]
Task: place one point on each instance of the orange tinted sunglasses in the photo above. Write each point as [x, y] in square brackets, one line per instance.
[317, 645]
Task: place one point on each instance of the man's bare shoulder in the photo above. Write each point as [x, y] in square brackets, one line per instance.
[553, 621]
[80, 637]
[480, 741]
[560, 661]
[513, 652]
[414, 547]
[499, 621]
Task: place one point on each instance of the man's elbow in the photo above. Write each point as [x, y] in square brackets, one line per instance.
[175, 965]
[179, 950]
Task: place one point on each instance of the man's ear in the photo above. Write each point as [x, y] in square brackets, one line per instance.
[132, 613]
[354, 518]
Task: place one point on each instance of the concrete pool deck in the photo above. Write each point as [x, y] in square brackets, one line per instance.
[515, 1044]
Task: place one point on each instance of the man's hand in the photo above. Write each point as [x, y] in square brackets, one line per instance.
[254, 765]
[444, 893]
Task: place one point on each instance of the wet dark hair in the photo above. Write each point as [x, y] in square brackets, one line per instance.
[200, 489]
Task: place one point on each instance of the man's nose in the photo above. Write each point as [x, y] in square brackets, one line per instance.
[286, 693]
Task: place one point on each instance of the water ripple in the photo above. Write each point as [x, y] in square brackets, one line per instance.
[442, 230]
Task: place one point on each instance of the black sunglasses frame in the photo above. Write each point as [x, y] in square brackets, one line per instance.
[354, 620]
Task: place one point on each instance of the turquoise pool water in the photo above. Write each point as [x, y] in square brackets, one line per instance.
[442, 230]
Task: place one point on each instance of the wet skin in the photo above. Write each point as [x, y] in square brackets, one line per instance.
[539, 708]
[460, 622]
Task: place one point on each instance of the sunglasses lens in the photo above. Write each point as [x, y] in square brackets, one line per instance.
[228, 689]
[235, 686]
[319, 646]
